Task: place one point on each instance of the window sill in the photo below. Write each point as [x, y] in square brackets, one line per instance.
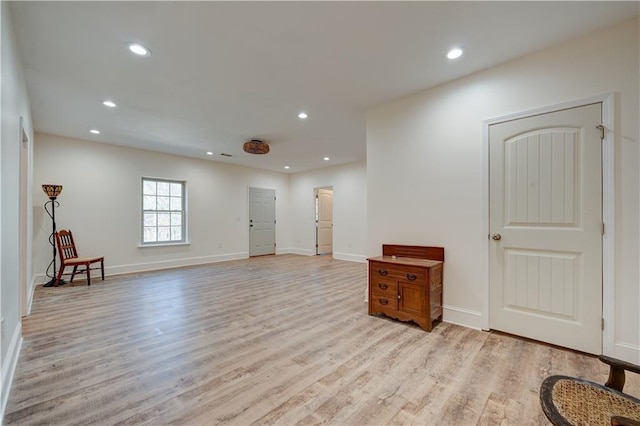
[183, 243]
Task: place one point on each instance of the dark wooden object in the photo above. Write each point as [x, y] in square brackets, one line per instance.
[614, 385]
[616, 371]
[405, 283]
[69, 257]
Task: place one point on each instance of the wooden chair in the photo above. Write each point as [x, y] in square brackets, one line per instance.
[69, 257]
[571, 401]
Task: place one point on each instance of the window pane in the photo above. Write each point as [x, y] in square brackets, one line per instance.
[148, 202]
[148, 187]
[150, 219]
[176, 203]
[164, 219]
[176, 233]
[163, 233]
[163, 188]
[176, 189]
[163, 203]
[150, 234]
[163, 215]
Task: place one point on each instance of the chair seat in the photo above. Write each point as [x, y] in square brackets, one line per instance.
[83, 260]
[570, 401]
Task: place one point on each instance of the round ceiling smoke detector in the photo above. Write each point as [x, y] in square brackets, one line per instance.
[255, 146]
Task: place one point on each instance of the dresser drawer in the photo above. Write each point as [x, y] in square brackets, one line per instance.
[393, 272]
[381, 303]
[384, 287]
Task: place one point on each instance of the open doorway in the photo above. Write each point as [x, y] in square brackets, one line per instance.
[324, 220]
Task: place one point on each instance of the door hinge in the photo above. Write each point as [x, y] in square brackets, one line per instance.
[602, 228]
[602, 129]
[603, 323]
[274, 222]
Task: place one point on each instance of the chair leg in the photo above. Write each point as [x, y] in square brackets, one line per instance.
[73, 274]
[55, 284]
[88, 273]
[102, 268]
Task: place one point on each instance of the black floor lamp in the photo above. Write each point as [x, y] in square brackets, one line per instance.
[52, 192]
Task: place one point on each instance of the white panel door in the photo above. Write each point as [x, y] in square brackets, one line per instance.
[545, 222]
[262, 221]
[325, 222]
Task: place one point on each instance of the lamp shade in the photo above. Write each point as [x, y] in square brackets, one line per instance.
[52, 191]
[255, 146]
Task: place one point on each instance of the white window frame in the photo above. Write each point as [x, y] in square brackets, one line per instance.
[183, 212]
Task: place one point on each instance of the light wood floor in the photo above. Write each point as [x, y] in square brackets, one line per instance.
[272, 340]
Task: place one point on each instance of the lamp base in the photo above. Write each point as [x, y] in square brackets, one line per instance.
[52, 283]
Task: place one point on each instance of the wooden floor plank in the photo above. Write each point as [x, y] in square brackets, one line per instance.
[271, 340]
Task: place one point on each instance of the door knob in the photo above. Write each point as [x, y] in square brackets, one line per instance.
[496, 237]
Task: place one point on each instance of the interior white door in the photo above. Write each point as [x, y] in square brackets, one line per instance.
[545, 222]
[262, 221]
[325, 221]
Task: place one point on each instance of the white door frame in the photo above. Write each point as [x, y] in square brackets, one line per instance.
[23, 209]
[608, 206]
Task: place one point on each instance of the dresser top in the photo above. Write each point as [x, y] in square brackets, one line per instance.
[406, 261]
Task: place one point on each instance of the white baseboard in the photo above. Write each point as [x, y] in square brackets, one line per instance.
[464, 317]
[302, 252]
[627, 352]
[9, 364]
[350, 257]
[162, 264]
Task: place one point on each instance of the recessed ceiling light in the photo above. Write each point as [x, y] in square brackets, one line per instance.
[109, 104]
[94, 131]
[454, 53]
[209, 153]
[139, 49]
[287, 167]
[326, 158]
[303, 115]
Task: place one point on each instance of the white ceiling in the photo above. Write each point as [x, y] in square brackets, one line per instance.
[225, 72]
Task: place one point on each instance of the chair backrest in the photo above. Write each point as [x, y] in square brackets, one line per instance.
[66, 246]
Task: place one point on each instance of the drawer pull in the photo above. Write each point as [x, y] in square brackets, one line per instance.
[411, 277]
[383, 286]
[383, 272]
[383, 301]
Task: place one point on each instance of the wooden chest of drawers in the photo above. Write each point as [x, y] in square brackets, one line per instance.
[406, 283]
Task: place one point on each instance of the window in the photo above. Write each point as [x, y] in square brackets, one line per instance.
[163, 212]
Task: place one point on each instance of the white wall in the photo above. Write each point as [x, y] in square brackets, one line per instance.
[101, 204]
[349, 210]
[424, 163]
[15, 104]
